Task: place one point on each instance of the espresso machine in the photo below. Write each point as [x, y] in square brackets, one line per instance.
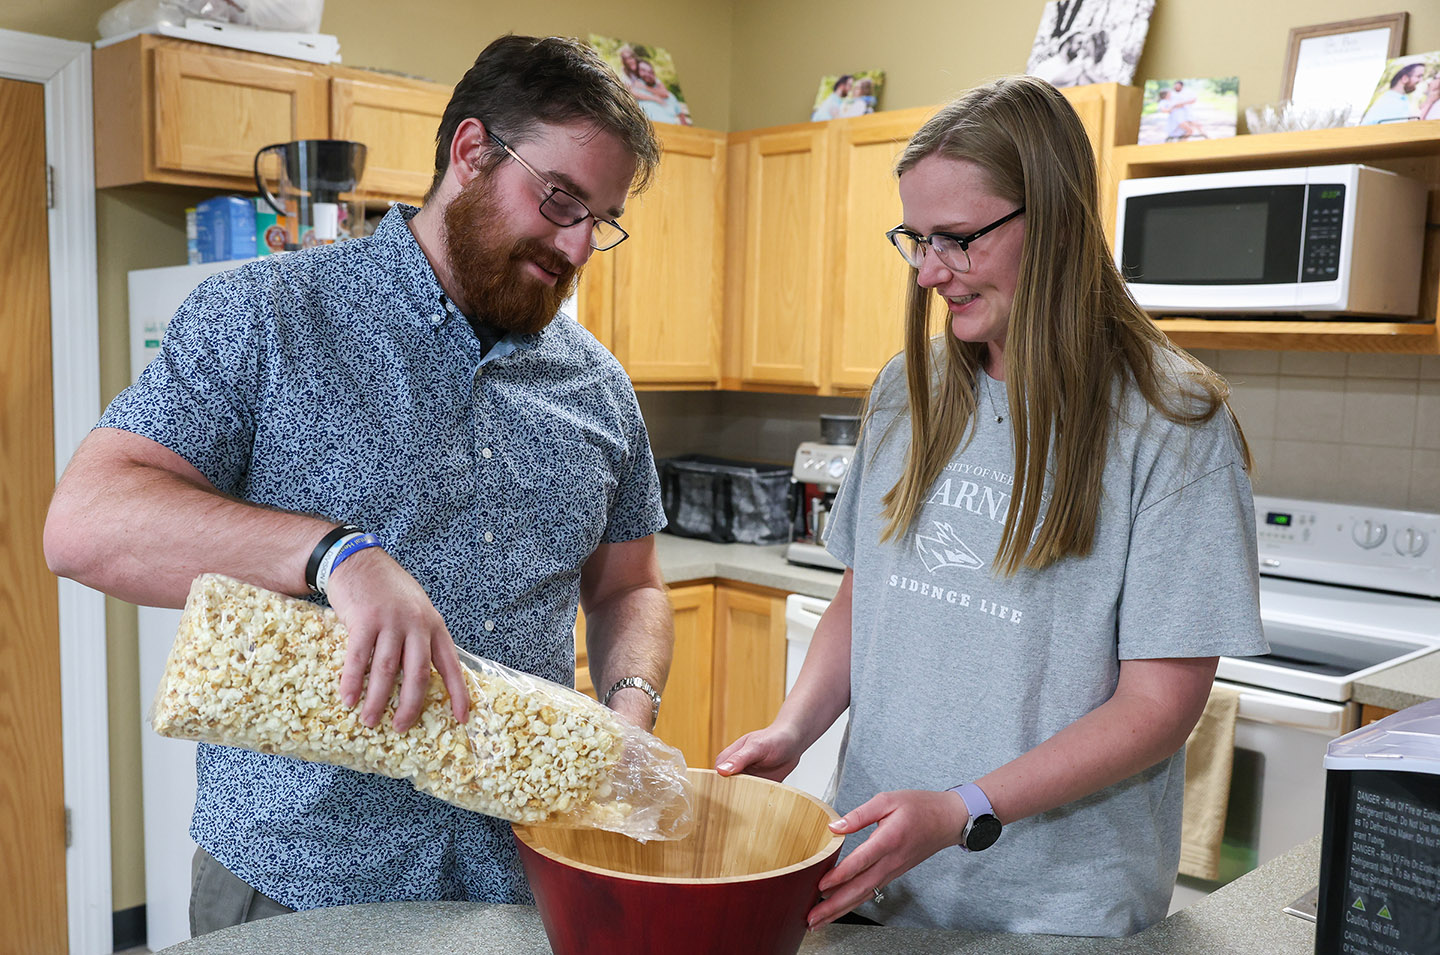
[315, 181]
[819, 468]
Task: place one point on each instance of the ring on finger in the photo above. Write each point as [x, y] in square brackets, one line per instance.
[879, 894]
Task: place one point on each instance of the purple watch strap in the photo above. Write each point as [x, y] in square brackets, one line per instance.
[977, 804]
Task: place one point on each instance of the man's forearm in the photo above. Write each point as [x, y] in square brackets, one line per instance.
[142, 532]
[630, 634]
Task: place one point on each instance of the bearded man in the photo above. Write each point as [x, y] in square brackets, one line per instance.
[418, 385]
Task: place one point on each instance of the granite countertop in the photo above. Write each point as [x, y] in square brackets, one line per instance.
[685, 558]
[1401, 686]
[1244, 917]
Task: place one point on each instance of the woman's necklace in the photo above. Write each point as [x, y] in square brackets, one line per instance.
[988, 388]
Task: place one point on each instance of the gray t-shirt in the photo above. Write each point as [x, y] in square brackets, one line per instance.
[956, 670]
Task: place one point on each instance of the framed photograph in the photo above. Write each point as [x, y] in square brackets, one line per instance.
[847, 94]
[1408, 88]
[1176, 110]
[650, 73]
[1089, 41]
[1335, 64]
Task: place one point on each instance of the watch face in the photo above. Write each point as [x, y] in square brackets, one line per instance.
[982, 833]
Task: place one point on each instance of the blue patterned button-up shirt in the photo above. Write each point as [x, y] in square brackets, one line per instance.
[340, 381]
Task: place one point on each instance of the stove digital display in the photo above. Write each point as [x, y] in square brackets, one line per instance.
[1278, 519]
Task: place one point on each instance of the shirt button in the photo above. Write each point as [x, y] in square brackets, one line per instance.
[489, 538]
[485, 453]
[489, 625]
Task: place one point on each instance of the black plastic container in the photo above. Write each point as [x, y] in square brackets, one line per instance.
[1380, 846]
[727, 501]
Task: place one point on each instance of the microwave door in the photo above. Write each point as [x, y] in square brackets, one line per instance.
[1216, 249]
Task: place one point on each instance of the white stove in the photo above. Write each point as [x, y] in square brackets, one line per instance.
[1345, 592]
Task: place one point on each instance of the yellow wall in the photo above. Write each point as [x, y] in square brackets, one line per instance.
[743, 64]
[931, 51]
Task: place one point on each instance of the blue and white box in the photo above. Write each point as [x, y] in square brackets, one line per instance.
[225, 229]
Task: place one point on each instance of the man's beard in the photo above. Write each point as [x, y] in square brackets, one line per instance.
[490, 269]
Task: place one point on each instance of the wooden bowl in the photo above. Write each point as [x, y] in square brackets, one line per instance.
[740, 884]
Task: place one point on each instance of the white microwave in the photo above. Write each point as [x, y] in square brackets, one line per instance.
[1316, 241]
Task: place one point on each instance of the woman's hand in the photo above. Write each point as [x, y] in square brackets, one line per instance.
[770, 753]
[911, 825]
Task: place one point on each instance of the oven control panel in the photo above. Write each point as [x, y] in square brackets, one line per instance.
[1284, 525]
[1351, 544]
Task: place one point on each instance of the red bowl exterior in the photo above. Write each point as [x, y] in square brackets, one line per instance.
[586, 912]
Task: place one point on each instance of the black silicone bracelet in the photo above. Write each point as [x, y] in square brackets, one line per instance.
[313, 564]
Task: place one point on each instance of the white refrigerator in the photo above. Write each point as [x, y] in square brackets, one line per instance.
[167, 766]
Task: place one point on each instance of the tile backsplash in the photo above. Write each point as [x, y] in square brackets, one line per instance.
[744, 425]
[1360, 429]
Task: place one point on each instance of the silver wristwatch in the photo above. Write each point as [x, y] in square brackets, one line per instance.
[640, 683]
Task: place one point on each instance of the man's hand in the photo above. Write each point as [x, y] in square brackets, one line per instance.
[395, 631]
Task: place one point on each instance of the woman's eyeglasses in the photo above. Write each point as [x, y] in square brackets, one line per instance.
[951, 248]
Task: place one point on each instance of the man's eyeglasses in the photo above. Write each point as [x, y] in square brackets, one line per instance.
[951, 248]
[563, 209]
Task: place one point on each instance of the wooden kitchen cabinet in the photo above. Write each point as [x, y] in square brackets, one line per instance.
[823, 293]
[1410, 149]
[1369, 713]
[192, 114]
[728, 673]
[866, 311]
[749, 662]
[656, 301]
[787, 223]
[396, 118]
[689, 693]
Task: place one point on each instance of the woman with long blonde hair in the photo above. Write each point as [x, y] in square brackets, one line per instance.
[1050, 540]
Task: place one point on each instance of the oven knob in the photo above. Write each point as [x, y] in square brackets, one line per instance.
[1410, 542]
[1368, 534]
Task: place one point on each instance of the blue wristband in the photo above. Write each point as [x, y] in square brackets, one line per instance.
[351, 546]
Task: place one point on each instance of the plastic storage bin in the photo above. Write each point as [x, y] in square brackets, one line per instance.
[727, 501]
[1380, 842]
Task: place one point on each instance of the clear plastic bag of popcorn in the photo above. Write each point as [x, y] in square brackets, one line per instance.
[259, 670]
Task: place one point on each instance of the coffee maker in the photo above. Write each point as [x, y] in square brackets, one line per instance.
[819, 468]
[315, 181]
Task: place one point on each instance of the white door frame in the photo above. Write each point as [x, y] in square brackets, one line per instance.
[63, 68]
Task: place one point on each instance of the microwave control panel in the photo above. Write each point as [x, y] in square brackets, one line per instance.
[1324, 215]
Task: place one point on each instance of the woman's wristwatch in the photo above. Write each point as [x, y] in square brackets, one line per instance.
[983, 828]
[640, 683]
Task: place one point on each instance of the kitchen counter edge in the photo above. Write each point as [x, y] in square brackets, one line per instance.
[1397, 687]
[762, 565]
